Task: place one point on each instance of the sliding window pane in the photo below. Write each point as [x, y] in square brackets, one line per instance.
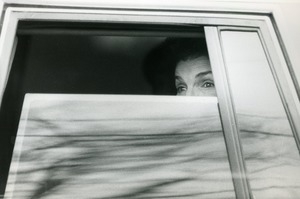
[107, 146]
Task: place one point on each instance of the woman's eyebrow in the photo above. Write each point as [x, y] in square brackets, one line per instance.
[203, 73]
[178, 78]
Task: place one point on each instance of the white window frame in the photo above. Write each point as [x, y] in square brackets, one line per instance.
[214, 22]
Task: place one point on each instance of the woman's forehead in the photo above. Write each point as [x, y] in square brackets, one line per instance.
[193, 66]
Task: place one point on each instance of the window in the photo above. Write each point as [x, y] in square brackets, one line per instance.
[151, 145]
[243, 138]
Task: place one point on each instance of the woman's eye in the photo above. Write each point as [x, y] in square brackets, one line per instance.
[181, 89]
[208, 85]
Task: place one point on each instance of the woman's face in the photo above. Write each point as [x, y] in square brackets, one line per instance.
[193, 77]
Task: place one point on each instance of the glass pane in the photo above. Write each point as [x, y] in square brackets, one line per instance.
[101, 146]
[271, 155]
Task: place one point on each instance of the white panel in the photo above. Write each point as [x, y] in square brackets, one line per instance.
[97, 146]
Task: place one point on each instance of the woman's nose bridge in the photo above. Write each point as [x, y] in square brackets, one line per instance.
[191, 91]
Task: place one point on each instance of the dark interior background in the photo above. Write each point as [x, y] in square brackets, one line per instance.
[77, 58]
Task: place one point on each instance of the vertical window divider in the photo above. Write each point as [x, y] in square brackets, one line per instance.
[227, 112]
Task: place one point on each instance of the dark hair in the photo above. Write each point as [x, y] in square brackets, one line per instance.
[160, 64]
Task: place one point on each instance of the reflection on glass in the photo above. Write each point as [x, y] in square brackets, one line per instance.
[120, 147]
[269, 148]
